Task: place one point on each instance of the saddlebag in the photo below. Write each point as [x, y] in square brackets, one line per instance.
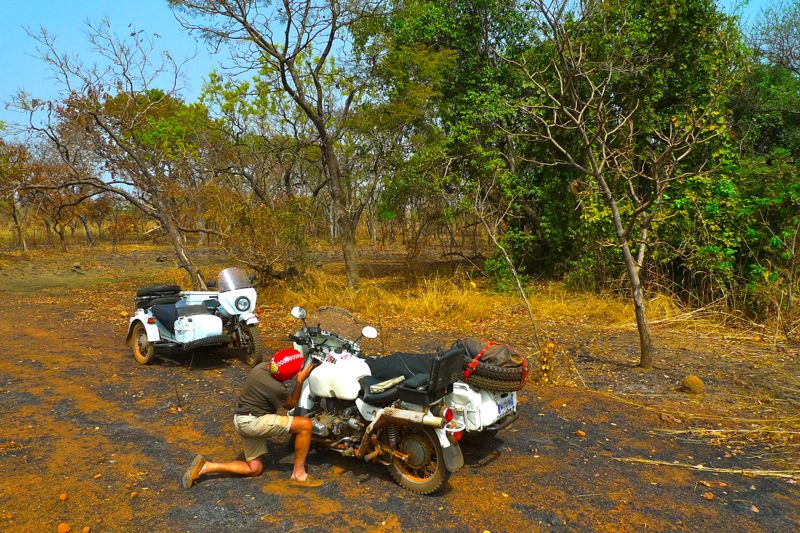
[445, 369]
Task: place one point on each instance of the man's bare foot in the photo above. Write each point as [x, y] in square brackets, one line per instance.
[307, 481]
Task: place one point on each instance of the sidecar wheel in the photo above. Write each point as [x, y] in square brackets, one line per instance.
[143, 350]
[424, 472]
[253, 344]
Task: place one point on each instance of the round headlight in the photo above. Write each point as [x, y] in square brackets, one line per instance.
[242, 303]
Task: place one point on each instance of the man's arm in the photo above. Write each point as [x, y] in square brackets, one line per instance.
[295, 395]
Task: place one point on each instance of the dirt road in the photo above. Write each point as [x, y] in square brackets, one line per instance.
[81, 418]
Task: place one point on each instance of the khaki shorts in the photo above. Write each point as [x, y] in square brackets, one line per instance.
[254, 431]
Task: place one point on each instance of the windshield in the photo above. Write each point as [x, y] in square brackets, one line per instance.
[336, 320]
[231, 279]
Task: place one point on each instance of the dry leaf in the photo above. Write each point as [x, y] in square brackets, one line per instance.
[580, 433]
[63, 496]
[754, 509]
[722, 484]
[705, 483]
[709, 496]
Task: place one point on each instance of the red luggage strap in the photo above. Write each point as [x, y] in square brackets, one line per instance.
[472, 365]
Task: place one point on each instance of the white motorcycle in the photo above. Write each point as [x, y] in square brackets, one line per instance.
[166, 318]
[406, 411]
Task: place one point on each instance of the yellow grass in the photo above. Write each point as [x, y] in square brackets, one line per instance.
[460, 302]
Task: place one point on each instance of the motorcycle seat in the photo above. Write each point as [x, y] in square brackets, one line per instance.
[166, 314]
[399, 364]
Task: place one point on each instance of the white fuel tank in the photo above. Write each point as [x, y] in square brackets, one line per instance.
[337, 376]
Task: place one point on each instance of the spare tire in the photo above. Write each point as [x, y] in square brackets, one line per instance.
[491, 371]
[495, 385]
[158, 290]
[161, 300]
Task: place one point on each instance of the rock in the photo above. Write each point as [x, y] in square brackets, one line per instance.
[692, 384]
[63, 527]
[63, 496]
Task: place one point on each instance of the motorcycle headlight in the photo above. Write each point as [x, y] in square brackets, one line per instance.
[242, 303]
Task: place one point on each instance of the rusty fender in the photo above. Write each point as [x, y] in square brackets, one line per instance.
[391, 415]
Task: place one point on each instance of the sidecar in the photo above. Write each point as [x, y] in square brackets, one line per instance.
[167, 319]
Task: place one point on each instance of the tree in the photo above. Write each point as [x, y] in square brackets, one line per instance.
[625, 94]
[116, 133]
[15, 172]
[293, 44]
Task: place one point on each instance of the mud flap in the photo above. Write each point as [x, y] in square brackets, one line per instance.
[248, 318]
[453, 458]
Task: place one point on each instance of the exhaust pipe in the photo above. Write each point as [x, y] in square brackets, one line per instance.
[415, 417]
[390, 415]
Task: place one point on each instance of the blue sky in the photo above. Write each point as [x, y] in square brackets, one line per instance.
[66, 20]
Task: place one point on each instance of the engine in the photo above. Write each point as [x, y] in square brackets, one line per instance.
[337, 421]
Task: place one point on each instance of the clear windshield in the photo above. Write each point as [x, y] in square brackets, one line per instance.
[336, 320]
[231, 279]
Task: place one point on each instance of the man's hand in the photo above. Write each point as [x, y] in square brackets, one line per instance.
[303, 374]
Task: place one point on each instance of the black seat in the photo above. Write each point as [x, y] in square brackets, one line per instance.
[379, 399]
[166, 314]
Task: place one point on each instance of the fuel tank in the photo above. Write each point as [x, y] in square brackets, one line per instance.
[337, 376]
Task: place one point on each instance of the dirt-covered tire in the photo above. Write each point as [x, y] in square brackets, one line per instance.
[143, 350]
[494, 385]
[496, 372]
[158, 290]
[253, 344]
[425, 471]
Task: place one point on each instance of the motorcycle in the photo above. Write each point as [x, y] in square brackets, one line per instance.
[166, 318]
[365, 408]
[406, 411]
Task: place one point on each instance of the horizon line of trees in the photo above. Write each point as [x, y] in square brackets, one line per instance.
[648, 141]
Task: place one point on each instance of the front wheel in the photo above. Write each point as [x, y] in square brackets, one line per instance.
[424, 471]
[253, 344]
[143, 350]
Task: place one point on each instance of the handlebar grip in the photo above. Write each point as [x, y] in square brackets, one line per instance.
[296, 339]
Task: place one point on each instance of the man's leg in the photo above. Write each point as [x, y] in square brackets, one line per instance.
[301, 427]
[242, 468]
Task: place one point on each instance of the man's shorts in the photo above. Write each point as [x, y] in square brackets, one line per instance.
[254, 431]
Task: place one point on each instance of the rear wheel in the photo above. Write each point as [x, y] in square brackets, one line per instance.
[253, 344]
[424, 471]
[143, 349]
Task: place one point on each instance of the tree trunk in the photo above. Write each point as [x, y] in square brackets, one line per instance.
[185, 262]
[21, 243]
[89, 236]
[645, 339]
[346, 223]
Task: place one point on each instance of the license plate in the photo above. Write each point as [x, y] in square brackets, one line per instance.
[506, 405]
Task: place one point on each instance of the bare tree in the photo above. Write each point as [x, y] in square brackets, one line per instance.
[294, 42]
[777, 34]
[103, 131]
[574, 108]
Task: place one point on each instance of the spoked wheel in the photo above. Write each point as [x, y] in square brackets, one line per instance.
[253, 344]
[143, 350]
[424, 471]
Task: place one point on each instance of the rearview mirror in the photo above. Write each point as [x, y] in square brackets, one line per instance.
[299, 312]
[369, 332]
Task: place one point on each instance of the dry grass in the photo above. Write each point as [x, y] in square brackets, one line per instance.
[461, 302]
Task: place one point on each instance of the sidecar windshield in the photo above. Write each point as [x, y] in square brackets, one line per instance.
[231, 279]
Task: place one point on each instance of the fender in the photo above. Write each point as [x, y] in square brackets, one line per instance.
[248, 318]
[453, 458]
[152, 329]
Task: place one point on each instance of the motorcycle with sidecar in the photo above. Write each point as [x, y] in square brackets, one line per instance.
[167, 319]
